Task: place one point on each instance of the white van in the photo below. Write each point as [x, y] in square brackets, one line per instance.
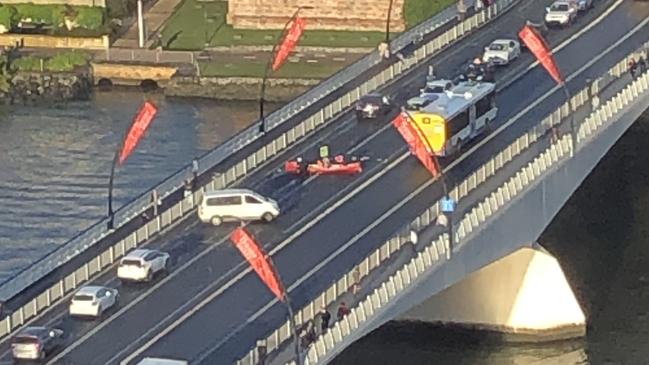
[236, 205]
[161, 361]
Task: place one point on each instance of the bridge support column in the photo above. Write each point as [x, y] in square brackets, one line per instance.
[524, 295]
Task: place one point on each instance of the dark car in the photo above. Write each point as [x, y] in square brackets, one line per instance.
[34, 343]
[477, 72]
[540, 28]
[372, 106]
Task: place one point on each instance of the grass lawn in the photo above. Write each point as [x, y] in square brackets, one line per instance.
[196, 24]
[416, 11]
[255, 68]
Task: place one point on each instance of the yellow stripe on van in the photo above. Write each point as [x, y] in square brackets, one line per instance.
[434, 129]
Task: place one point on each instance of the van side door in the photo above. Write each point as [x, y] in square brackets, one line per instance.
[254, 207]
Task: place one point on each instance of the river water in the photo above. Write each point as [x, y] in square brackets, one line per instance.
[601, 238]
[55, 162]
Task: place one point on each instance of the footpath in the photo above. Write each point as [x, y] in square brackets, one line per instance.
[154, 19]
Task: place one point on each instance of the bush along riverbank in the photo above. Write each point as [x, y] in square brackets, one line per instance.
[32, 79]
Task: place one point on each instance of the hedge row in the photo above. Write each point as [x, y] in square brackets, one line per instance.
[88, 17]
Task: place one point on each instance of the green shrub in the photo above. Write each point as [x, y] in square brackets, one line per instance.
[38, 14]
[8, 16]
[27, 63]
[66, 61]
[89, 17]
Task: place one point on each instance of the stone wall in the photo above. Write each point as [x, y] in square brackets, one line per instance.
[326, 14]
[124, 71]
[237, 88]
[100, 3]
[35, 87]
[46, 41]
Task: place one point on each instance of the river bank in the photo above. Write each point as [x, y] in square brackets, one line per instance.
[28, 88]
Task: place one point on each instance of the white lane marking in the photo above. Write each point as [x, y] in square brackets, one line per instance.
[90, 282]
[279, 247]
[403, 202]
[136, 301]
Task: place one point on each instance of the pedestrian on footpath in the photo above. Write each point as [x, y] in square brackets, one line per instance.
[325, 317]
[342, 311]
[356, 277]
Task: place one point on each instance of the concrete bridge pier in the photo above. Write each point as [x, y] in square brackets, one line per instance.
[524, 296]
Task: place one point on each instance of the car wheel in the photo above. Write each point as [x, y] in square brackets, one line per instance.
[267, 217]
[149, 275]
[216, 220]
[43, 355]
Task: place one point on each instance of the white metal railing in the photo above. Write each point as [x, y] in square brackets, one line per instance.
[590, 94]
[229, 177]
[473, 220]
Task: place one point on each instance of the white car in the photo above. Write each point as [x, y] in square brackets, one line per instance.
[142, 264]
[92, 301]
[501, 51]
[236, 205]
[583, 5]
[561, 13]
[428, 94]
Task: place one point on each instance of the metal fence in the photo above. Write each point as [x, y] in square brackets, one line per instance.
[146, 55]
[460, 191]
[174, 183]
[473, 220]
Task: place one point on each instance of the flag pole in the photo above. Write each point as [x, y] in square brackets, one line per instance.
[262, 125]
[111, 215]
[442, 176]
[289, 308]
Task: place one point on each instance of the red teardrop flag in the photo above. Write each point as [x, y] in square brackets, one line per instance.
[289, 42]
[537, 45]
[414, 139]
[140, 124]
[257, 258]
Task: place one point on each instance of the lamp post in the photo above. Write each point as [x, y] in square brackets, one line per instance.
[448, 205]
[140, 24]
[573, 135]
[387, 23]
[262, 125]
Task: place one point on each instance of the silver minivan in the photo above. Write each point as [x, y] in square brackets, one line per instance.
[236, 205]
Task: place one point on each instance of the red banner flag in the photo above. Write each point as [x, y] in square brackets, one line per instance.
[140, 124]
[537, 45]
[257, 258]
[289, 42]
[414, 140]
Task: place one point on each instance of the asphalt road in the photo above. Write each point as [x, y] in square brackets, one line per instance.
[321, 215]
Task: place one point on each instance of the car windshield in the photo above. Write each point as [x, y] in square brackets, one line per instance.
[25, 340]
[83, 298]
[559, 7]
[433, 90]
[131, 262]
[497, 47]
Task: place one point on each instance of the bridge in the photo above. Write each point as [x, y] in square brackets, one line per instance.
[211, 309]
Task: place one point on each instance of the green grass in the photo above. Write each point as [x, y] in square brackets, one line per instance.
[196, 24]
[248, 68]
[61, 62]
[416, 11]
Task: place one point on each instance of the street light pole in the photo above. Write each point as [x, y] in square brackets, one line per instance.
[573, 135]
[387, 23]
[442, 176]
[140, 24]
[262, 125]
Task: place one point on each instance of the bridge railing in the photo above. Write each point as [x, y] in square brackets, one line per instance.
[174, 183]
[581, 99]
[472, 222]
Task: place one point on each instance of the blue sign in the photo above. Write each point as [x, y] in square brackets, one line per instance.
[448, 205]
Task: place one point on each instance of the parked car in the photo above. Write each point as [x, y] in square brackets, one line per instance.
[34, 343]
[372, 106]
[92, 301]
[236, 205]
[502, 51]
[561, 13]
[142, 264]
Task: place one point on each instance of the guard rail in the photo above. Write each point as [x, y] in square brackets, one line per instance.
[180, 209]
[392, 246]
